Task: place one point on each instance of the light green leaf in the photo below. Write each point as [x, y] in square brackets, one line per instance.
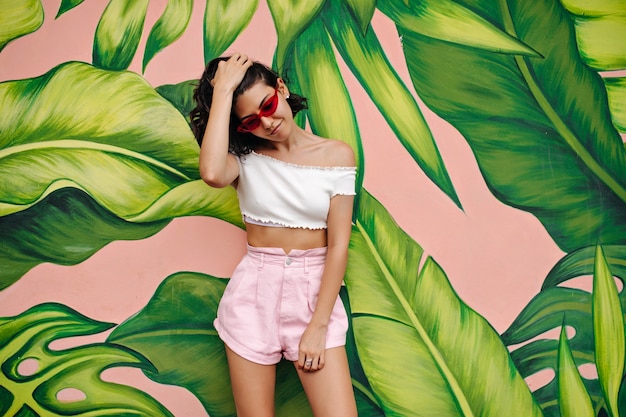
[425, 352]
[26, 338]
[118, 33]
[223, 22]
[573, 398]
[19, 18]
[608, 330]
[616, 90]
[449, 21]
[67, 5]
[109, 136]
[540, 129]
[600, 32]
[366, 59]
[363, 11]
[170, 26]
[291, 17]
[178, 322]
[330, 112]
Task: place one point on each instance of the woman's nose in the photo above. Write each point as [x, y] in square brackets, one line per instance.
[267, 121]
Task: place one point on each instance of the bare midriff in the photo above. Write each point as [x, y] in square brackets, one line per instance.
[286, 238]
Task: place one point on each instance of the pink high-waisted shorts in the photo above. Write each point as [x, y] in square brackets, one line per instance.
[269, 302]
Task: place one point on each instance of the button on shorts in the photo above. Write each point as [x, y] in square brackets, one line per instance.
[269, 302]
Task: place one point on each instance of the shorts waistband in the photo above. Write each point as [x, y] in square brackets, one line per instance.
[273, 255]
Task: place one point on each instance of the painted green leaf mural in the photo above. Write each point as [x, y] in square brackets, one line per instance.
[291, 17]
[366, 59]
[232, 16]
[598, 24]
[67, 5]
[19, 18]
[130, 131]
[405, 315]
[575, 400]
[616, 90]
[363, 11]
[559, 305]
[316, 71]
[450, 21]
[170, 26]
[177, 321]
[118, 34]
[526, 116]
[608, 332]
[32, 375]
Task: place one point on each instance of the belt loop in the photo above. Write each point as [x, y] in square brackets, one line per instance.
[306, 265]
[260, 267]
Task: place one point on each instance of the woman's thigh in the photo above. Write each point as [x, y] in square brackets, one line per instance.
[329, 390]
[253, 386]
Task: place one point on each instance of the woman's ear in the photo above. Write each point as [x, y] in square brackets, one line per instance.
[282, 87]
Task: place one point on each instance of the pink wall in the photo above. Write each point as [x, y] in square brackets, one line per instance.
[495, 256]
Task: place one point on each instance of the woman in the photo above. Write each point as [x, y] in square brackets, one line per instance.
[295, 192]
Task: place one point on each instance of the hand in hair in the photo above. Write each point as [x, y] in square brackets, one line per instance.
[230, 72]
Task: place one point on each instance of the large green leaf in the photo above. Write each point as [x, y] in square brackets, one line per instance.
[291, 17]
[317, 73]
[450, 21]
[600, 32]
[170, 26]
[32, 375]
[118, 33]
[540, 128]
[424, 351]
[366, 59]
[223, 22]
[581, 263]
[608, 332]
[65, 228]
[19, 18]
[106, 134]
[178, 322]
[574, 399]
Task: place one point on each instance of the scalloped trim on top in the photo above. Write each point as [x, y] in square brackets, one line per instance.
[273, 223]
[291, 164]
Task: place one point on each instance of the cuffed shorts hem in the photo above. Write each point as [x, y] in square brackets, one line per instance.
[243, 351]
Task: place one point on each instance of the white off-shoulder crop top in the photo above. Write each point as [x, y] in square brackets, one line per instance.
[279, 193]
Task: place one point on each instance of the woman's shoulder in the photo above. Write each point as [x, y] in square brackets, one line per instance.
[338, 153]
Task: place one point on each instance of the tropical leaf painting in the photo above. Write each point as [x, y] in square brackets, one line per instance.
[95, 149]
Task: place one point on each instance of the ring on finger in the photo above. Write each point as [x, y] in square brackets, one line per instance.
[308, 362]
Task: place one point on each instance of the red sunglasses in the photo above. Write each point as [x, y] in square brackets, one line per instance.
[267, 109]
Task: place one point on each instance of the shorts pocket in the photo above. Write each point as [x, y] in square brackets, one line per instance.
[313, 290]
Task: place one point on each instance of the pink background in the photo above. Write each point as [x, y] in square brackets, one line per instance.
[495, 256]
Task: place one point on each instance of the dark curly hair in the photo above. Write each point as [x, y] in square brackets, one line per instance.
[239, 143]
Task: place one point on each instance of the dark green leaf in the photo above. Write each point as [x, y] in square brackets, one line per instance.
[118, 33]
[27, 338]
[540, 129]
[67, 5]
